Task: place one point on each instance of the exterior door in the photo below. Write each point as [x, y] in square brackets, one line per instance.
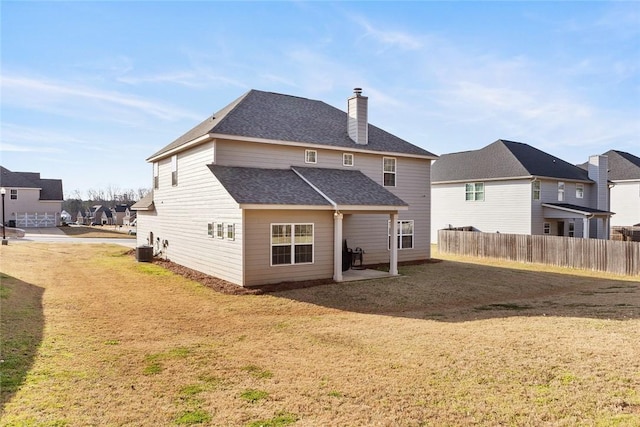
[560, 228]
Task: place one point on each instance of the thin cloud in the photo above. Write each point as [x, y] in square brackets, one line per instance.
[42, 94]
[389, 38]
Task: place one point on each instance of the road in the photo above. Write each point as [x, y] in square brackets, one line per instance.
[53, 235]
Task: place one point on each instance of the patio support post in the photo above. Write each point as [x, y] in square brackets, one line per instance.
[585, 227]
[337, 246]
[393, 253]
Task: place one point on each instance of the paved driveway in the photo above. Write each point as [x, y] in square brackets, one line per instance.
[54, 235]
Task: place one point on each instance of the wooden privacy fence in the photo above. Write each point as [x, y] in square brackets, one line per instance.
[587, 254]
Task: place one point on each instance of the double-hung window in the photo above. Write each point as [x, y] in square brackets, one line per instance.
[405, 234]
[174, 170]
[561, 191]
[546, 228]
[389, 171]
[156, 175]
[474, 191]
[219, 230]
[579, 191]
[535, 190]
[14, 194]
[291, 244]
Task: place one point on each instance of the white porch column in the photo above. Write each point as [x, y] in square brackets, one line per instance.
[585, 227]
[393, 253]
[337, 247]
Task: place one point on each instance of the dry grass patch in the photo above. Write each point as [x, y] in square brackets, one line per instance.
[450, 343]
[106, 231]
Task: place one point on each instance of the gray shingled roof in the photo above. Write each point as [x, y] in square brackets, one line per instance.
[503, 159]
[582, 209]
[623, 165]
[286, 187]
[267, 186]
[279, 117]
[349, 187]
[145, 203]
[50, 189]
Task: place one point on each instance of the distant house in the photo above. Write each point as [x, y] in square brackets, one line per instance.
[31, 201]
[511, 187]
[273, 188]
[624, 174]
[121, 214]
[100, 215]
[65, 216]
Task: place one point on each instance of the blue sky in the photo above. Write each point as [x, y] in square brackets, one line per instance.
[91, 89]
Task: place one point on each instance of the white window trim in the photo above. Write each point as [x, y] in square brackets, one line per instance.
[13, 194]
[579, 191]
[292, 244]
[219, 230]
[546, 228]
[400, 235]
[174, 170]
[156, 175]
[394, 172]
[561, 191]
[474, 192]
[536, 191]
[315, 156]
[344, 157]
[231, 232]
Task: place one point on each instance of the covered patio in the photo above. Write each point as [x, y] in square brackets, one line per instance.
[560, 211]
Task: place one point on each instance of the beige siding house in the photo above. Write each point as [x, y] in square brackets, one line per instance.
[31, 201]
[273, 187]
[511, 187]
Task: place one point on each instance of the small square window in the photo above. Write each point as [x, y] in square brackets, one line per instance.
[310, 156]
[347, 159]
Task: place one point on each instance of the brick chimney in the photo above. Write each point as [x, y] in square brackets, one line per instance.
[357, 108]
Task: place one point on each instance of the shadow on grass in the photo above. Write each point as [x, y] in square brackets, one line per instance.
[456, 291]
[21, 326]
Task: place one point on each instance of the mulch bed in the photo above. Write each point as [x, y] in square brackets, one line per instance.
[225, 287]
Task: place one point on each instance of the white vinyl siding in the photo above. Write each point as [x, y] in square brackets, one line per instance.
[183, 213]
[625, 202]
[511, 212]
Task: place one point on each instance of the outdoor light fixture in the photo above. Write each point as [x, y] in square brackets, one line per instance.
[3, 191]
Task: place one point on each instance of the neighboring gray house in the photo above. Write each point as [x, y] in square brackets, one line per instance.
[121, 214]
[269, 188]
[511, 187]
[100, 215]
[624, 174]
[31, 201]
